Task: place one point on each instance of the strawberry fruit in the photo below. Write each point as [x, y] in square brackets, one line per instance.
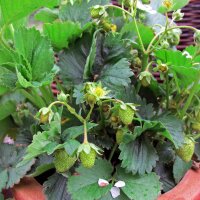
[126, 115]
[187, 150]
[63, 161]
[88, 160]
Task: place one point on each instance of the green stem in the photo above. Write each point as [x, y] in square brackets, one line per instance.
[149, 50]
[90, 112]
[194, 89]
[112, 152]
[85, 132]
[37, 97]
[167, 89]
[45, 93]
[145, 60]
[70, 109]
[196, 137]
[31, 98]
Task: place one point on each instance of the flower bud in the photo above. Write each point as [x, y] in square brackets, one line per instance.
[62, 96]
[145, 78]
[45, 115]
[97, 11]
[163, 68]
[177, 15]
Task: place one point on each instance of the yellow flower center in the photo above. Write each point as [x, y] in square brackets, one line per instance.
[99, 92]
[167, 3]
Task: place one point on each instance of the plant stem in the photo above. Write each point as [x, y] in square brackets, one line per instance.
[37, 97]
[196, 137]
[31, 98]
[90, 112]
[70, 109]
[145, 59]
[167, 90]
[112, 152]
[194, 89]
[149, 50]
[85, 132]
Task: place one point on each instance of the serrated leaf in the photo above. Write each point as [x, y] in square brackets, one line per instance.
[140, 187]
[73, 60]
[71, 146]
[116, 75]
[142, 158]
[61, 33]
[55, 188]
[12, 10]
[72, 11]
[180, 168]
[15, 155]
[87, 180]
[174, 129]
[4, 178]
[46, 15]
[8, 78]
[36, 66]
[42, 164]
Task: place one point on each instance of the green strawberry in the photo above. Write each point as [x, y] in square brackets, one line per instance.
[90, 99]
[119, 136]
[196, 126]
[126, 115]
[187, 150]
[88, 160]
[63, 161]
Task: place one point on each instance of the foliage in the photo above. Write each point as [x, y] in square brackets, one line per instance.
[103, 59]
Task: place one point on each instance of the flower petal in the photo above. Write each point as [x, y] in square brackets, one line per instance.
[120, 184]
[115, 192]
[102, 182]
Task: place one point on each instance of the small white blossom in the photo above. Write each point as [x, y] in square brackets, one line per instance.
[102, 182]
[146, 8]
[120, 184]
[115, 192]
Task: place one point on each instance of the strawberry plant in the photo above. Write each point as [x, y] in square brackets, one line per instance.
[113, 131]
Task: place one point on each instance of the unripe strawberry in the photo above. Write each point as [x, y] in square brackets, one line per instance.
[145, 78]
[168, 4]
[63, 161]
[97, 11]
[119, 136]
[163, 68]
[90, 99]
[45, 115]
[126, 115]
[187, 150]
[88, 160]
[196, 126]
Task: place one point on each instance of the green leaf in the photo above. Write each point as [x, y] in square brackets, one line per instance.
[91, 58]
[86, 183]
[193, 51]
[36, 66]
[71, 146]
[174, 129]
[116, 75]
[56, 188]
[7, 108]
[9, 166]
[73, 60]
[8, 78]
[180, 168]
[4, 179]
[61, 33]
[46, 15]
[72, 12]
[146, 32]
[75, 131]
[142, 159]
[177, 4]
[140, 187]
[42, 164]
[12, 10]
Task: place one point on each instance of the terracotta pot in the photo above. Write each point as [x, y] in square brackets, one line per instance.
[28, 189]
[187, 189]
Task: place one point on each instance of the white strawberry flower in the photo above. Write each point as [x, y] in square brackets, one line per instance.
[146, 8]
[115, 191]
[102, 182]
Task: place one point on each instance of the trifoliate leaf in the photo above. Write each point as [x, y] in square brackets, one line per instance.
[85, 184]
[10, 173]
[140, 187]
[138, 156]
